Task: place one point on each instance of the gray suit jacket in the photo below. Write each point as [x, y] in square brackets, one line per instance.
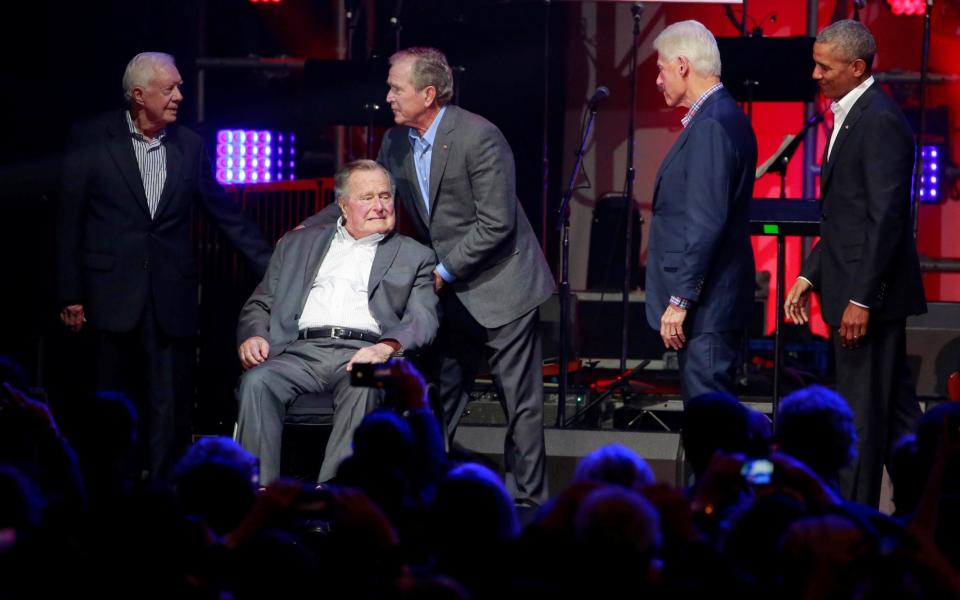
[476, 225]
[400, 290]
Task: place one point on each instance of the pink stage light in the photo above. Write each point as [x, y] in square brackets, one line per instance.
[908, 7]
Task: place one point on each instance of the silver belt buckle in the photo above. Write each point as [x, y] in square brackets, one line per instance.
[337, 333]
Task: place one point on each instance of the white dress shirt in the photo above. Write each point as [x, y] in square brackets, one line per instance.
[841, 108]
[338, 296]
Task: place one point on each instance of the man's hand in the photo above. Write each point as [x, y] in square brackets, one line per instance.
[671, 327]
[73, 317]
[438, 282]
[253, 351]
[376, 353]
[796, 306]
[853, 325]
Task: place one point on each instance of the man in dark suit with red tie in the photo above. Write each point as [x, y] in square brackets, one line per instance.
[125, 264]
[865, 266]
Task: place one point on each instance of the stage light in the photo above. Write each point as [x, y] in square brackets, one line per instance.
[908, 7]
[242, 156]
[930, 174]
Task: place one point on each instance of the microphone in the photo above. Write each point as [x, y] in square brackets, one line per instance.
[598, 96]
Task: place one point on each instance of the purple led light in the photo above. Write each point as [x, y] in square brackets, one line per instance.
[248, 155]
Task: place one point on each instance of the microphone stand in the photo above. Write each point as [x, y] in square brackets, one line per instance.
[922, 128]
[636, 9]
[563, 225]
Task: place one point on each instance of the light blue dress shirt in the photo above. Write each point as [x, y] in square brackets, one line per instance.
[422, 157]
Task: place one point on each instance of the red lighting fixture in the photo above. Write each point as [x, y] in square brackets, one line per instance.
[908, 7]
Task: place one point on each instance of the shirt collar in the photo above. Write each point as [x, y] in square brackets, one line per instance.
[846, 103]
[695, 107]
[135, 131]
[344, 236]
[431, 133]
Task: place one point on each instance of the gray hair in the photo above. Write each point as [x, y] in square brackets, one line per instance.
[141, 69]
[342, 178]
[430, 67]
[852, 39]
[693, 41]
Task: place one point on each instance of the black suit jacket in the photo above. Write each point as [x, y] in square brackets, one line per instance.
[700, 233]
[867, 252]
[112, 256]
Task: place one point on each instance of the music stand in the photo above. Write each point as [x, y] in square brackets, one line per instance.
[781, 217]
[765, 69]
[778, 161]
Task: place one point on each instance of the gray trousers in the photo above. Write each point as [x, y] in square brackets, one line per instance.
[516, 366]
[306, 366]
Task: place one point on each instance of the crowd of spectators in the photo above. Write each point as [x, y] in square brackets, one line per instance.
[404, 519]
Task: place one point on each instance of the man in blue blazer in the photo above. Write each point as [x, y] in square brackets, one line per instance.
[125, 264]
[700, 272]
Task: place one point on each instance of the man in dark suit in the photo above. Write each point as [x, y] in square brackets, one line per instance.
[700, 273]
[865, 266]
[125, 258]
[333, 296]
[456, 182]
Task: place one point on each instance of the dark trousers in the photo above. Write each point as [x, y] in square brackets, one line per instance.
[157, 372]
[708, 363]
[516, 366]
[875, 380]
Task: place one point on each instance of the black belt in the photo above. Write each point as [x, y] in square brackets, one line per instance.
[338, 333]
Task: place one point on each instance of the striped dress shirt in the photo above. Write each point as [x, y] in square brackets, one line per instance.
[152, 160]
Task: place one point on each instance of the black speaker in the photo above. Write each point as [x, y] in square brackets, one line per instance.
[608, 235]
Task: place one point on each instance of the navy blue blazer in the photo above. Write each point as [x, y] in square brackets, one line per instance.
[699, 244]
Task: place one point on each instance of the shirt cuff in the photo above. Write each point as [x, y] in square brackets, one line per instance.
[679, 302]
[445, 274]
[860, 305]
[805, 279]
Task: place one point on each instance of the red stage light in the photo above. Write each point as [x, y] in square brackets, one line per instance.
[908, 7]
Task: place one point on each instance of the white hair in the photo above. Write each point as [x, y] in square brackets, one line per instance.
[141, 69]
[693, 41]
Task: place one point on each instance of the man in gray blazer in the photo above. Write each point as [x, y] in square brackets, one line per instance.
[333, 296]
[456, 182]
